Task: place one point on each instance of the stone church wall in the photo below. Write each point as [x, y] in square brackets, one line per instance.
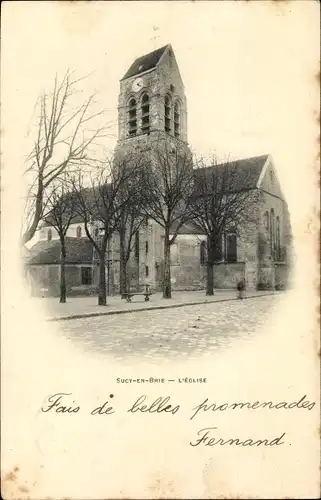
[247, 241]
[282, 276]
[186, 267]
[272, 274]
[228, 274]
[188, 273]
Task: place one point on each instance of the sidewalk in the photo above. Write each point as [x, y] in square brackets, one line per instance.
[81, 307]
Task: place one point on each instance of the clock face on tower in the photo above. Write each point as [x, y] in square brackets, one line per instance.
[137, 84]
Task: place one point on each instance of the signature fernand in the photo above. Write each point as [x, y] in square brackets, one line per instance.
[207, 437]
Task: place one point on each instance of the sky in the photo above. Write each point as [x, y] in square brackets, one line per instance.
[249, 70]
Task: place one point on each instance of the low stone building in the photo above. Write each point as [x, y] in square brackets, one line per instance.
[152, 103]
[44, 265]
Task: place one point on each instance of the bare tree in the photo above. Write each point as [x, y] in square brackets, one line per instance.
[129, 225]
[63, 139]
[131, 214]
[61, 209]
[167, 180]
[222, 202]
[103, 203]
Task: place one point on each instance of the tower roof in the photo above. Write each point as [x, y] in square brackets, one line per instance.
[144, 63]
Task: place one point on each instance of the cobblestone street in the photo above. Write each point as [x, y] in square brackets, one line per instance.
[171, 333]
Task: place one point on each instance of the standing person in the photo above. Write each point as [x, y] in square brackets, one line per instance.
[240, 288]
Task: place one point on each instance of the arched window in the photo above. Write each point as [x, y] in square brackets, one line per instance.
[174, 254]
[86, 276]
[203, 252]
[231, 247]
[167, 113]
[267, 221]
[176, 120]
[217, 248]
[272, 232]
[78, 231]
[132, 117]
[49, 235]
[278, 238]
[145, 114]
[136, 246]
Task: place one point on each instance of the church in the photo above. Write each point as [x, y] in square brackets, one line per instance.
[152, 103]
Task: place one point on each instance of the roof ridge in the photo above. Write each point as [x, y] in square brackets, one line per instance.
[155, 50]
[251, 166]
[246, 158]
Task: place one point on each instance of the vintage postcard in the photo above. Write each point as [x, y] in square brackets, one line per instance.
[159, 250]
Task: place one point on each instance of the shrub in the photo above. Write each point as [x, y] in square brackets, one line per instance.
[265, 286]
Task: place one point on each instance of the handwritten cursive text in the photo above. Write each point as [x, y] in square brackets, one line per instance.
[301, 404]
[158, 406]
[56, 405]
[207, 440]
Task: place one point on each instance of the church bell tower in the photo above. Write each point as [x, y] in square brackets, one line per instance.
[152, 113]
[152, 102]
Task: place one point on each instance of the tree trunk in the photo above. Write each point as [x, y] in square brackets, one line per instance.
[122, 266]
[62, 270]
[102, 295]
[30, 232]
[167, 288]
[209, 278]
[210, 268]
[123, 279]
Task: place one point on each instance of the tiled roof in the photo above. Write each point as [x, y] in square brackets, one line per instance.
[76, 219]
[244, 174]
[145, 62]
[89, 196]
[78, 251]
[238, 175]
[188, 228]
